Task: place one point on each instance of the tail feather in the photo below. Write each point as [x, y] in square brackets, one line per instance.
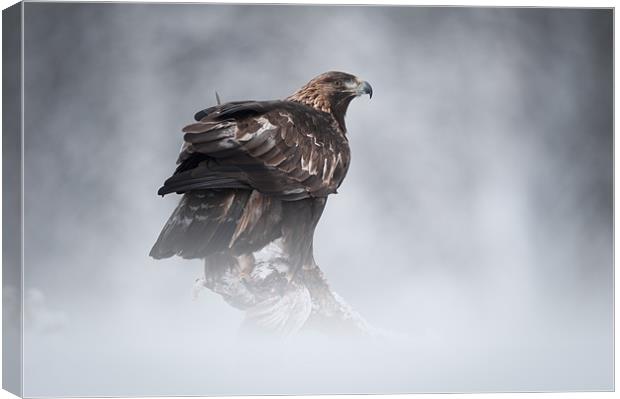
[203, 223]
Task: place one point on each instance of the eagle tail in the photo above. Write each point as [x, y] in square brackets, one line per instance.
[202, 224]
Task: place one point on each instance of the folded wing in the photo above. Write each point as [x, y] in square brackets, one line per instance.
[279, 148]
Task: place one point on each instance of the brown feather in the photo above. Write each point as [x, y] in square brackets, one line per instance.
[263, 170]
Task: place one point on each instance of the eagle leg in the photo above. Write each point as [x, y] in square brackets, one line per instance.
[245, 264]
[224, 276]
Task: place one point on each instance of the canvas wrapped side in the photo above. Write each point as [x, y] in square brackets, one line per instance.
[12, 315]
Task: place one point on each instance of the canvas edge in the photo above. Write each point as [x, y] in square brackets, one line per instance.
[12, 287]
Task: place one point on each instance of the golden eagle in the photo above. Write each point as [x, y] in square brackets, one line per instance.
[256, 175]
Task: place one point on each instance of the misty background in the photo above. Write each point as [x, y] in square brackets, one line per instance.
[475, 221]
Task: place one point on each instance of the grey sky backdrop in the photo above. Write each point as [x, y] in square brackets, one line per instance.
[476, 219]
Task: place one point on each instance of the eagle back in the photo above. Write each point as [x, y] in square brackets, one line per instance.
[280, 148]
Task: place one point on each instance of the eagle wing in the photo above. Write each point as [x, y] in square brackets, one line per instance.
[280, 148]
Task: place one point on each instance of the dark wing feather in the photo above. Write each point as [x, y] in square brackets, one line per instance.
[207, 222]
[202, 223]
[280, 148]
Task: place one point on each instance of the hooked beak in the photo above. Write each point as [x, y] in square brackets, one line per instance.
[364, 88]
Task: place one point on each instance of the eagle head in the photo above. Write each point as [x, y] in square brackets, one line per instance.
[332, 92]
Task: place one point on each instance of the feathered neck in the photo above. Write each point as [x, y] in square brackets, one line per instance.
[318, 99]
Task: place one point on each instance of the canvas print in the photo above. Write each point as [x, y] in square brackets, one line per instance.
[227, 199]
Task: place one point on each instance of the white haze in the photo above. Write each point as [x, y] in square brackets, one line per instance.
[476, 219]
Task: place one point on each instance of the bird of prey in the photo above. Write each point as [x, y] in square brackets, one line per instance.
[255, 177]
